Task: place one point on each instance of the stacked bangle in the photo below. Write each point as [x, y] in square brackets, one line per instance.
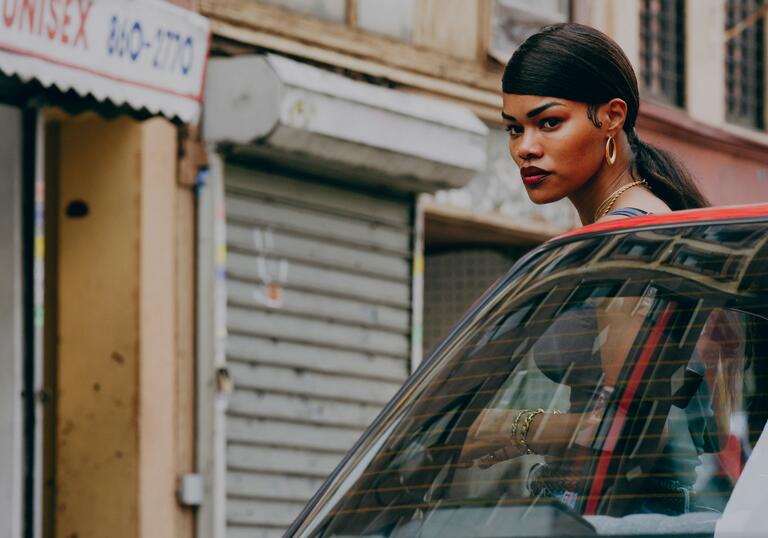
[519, 433]
[526, 427]
[519, 436]
[513, 430]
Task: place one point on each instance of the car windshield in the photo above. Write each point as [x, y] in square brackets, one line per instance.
[610, 385]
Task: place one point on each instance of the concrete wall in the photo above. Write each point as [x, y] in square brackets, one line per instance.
[705, 60]
[730, 169]
[618, 19]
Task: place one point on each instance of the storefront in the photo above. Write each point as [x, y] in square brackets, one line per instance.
[312, 195]
[79, 174]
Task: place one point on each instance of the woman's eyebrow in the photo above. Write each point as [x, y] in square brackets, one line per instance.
[507, 117]
[538, 110]
[531, 113]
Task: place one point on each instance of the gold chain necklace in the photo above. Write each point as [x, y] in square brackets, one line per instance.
[609, 202]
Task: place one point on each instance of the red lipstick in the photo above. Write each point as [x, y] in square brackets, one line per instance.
[533, 175]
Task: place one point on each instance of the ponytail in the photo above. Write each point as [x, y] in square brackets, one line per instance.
[666, 176]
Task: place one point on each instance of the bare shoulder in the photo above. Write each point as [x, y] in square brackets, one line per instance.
[642, 199]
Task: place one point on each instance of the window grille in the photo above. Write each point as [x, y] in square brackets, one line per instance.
[744, 63]
[662, 50]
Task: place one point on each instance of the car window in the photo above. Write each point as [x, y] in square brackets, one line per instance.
[618, 388]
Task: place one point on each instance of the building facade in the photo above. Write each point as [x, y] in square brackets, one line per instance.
[353, 244]
[199, 324]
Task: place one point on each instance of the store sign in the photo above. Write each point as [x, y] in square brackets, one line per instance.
[145, 53]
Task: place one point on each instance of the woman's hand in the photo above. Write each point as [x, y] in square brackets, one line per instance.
[489, 440]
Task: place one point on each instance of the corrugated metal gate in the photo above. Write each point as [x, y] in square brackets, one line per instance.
[319, 308]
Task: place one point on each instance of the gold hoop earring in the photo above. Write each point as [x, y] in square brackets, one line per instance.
[610, 150]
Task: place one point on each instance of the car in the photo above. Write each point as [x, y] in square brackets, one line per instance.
[613, 383]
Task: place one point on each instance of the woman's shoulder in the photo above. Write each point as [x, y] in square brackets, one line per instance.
[636, 202]
[643, 199]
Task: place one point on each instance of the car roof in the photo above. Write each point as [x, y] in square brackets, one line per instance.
[689, 216]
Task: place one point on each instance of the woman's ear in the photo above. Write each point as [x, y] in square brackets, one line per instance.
[615, 112]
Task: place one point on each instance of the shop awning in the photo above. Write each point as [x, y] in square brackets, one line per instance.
[145, 54]
[275, 108]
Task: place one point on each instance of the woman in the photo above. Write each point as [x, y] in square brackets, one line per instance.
[570, 103]
[570, 106]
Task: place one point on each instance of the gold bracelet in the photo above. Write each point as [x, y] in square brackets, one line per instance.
[526, 427]
[513, 430]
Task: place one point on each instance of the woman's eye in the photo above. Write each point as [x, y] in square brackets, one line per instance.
[551, 123]
[514, 129]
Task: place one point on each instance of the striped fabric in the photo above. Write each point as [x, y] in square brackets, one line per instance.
[628, 212]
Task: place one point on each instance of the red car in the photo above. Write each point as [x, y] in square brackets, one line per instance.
[613, 383]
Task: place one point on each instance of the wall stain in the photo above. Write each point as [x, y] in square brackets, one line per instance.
[68, 428]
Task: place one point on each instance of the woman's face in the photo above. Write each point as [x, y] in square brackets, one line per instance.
[555, 144]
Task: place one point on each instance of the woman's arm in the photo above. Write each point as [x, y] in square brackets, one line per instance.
[504, 433]
[500, 434]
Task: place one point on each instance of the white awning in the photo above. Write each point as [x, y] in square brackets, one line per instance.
[146, 54]
[269, 106]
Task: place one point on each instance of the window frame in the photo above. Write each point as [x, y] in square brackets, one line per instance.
[653, 36]
[737, 34]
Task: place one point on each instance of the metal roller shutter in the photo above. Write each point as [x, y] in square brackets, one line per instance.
[319, 309]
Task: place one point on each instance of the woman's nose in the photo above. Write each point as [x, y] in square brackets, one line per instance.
[528, 146]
